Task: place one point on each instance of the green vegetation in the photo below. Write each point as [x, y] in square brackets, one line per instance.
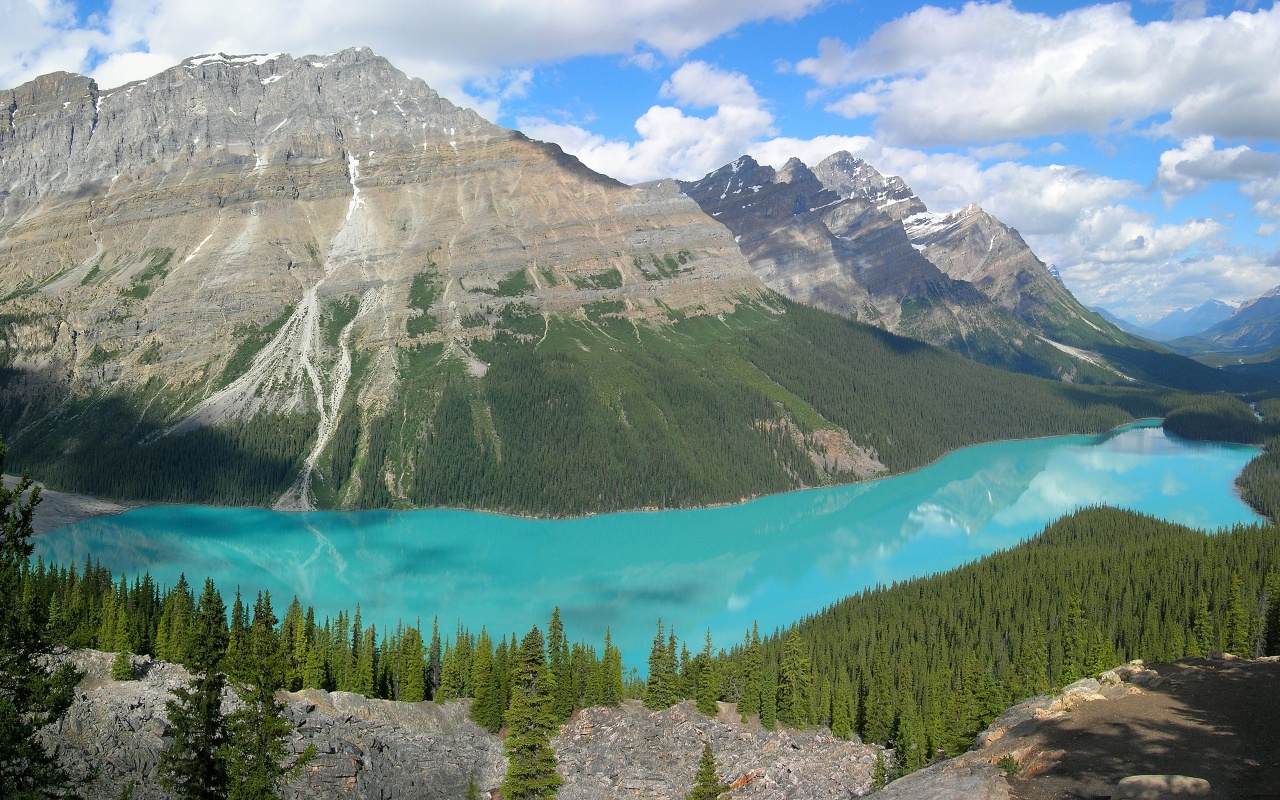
[423, 291]
[335, 316]
[603, 414]
[706, 784]
[668, 266]
[30, 696]
[609, 279]
[150, 354]
[515, 284]
[252, 339]
[144, 282]
[1219, 418]
[123, 455]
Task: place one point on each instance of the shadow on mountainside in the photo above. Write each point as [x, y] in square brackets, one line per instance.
[1215, 720]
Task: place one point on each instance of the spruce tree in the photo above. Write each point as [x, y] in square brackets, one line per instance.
[30, 697]
[194, 766]
[558, 663]
[1075, 640]
[769, 697]
[1238, 639]
[752, 675]
[661, 690]
[795, 681]
[708, 680]
[612, 668]
[842, 710]
[433, 660]
[487, 707]
[706, 784]
[531, 722]
[413, 667]
[122, 666]
[1271, 628]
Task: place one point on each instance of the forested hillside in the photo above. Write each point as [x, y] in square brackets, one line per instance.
[592, 413]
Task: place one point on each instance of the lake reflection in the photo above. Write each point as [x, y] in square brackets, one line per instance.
[774, 559]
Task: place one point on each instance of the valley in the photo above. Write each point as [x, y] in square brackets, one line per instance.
[300, 330]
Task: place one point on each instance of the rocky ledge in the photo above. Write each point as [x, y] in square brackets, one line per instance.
[114, 734]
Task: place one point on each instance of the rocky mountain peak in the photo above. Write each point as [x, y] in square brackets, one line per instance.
[852, 177]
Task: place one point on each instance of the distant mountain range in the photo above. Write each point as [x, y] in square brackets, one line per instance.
[843, 237]
[313, 282]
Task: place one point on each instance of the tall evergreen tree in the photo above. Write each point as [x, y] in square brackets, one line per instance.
[706, 784]
[708, 680]
[612, 668]
[1239, 639]
[661, 689]
[194, 766]
[30, 697]
[433, 660]
[749, 701]
[531, 722]
[488, 706]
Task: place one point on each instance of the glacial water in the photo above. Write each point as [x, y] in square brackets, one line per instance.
[774, 559]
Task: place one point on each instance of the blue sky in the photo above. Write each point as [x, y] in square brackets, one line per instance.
[1134, 146]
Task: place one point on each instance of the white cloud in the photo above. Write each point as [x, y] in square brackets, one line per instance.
[989, 72]
[671, 142]
[1196, 163]
[444, 42]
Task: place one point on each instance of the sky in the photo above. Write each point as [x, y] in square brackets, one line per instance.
[1136, 147]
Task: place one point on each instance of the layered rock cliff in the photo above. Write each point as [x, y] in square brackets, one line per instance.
[248, 235]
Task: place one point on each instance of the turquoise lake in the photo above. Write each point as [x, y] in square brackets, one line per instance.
[774, 559]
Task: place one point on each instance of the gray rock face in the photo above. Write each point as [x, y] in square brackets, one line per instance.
[148, 231]
[382, 749]
[631, 752]
[365, 748]
[850, 176]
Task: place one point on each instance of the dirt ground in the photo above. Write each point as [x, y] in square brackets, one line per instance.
[1217, 720]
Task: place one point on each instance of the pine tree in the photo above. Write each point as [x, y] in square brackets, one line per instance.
[30, 697]
[661, 690]
[795, 681]
[706, 784]
[1203, 627]
[708, 680]
[487, 708]
[257, 745]
[1075, 639]
[122, 666]
[612, 669]
[749, 701]
[1238, 640]
[531, 722]
[194, 766]
[433, 660]
[1271, 628]
[842, 710]
[413, 667]
[558, 663]
[769, 698]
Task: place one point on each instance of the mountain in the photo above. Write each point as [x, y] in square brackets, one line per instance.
[847, 239]
[312, 282]
[1190, 321]
[1129, 327]
[1252, 329]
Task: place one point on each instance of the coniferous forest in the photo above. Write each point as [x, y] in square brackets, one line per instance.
[921, 666]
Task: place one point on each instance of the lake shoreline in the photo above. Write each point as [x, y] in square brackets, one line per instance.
[69, 507]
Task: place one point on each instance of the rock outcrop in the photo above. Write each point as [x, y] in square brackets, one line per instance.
[115, 733]
[630, 752]
[249, 234]
[845, 238]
